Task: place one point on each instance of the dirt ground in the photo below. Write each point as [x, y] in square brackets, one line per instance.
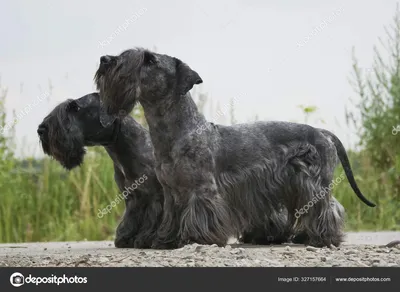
[363, 249]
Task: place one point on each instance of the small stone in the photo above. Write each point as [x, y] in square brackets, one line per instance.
[287, 248]
[103, 260]
[376, 260]
[214, 245]
[45, 248]
[350, 252]
[289, 253]
[375, 264]
[312, 248]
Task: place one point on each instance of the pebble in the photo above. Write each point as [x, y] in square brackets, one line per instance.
[312, 248]
[198, 248]
[376, 260]
[289, 253]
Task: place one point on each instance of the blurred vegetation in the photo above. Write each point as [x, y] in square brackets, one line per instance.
[40, 201]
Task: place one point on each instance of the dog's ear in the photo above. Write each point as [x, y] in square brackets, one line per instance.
[149, 58]
[73, 106]
[186, 77]
[106, 119]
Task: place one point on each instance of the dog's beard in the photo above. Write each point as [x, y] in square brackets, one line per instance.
[69, 153]
[72, 159]
[118, 91]
[45, 145]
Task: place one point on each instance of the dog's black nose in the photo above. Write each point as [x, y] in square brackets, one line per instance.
[105, 59]
[41, 130]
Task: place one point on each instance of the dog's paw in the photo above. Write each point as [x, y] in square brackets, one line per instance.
[161, 244]
[123, 242]
[143, 243]
[301, 238]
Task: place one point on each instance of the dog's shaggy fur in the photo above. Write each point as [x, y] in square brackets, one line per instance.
[74, 124]
[226, 180]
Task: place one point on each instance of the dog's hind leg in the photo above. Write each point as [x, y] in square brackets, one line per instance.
[339, 215]
[323, 225]
[318, 221]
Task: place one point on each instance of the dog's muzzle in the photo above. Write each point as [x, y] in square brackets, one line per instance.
[41, 131]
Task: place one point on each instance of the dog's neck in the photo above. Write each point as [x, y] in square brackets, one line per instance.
[132, 150]
[171, 119]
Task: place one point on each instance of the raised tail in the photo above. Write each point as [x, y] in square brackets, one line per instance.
[341, 152]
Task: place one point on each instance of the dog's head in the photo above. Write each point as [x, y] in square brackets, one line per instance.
[139, 75]
[71, 126]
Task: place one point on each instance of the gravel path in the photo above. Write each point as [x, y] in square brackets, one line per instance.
[360, 250]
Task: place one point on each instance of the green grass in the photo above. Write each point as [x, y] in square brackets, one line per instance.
[56, 205]
[380, 188]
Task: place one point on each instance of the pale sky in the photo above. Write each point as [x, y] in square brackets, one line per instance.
[246, 50]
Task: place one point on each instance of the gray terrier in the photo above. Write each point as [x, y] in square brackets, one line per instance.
[74, 124]
[226, 180]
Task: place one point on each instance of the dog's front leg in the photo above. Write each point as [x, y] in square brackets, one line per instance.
[206, 218]
[129, 226]
[151, 221]
[167, 233]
